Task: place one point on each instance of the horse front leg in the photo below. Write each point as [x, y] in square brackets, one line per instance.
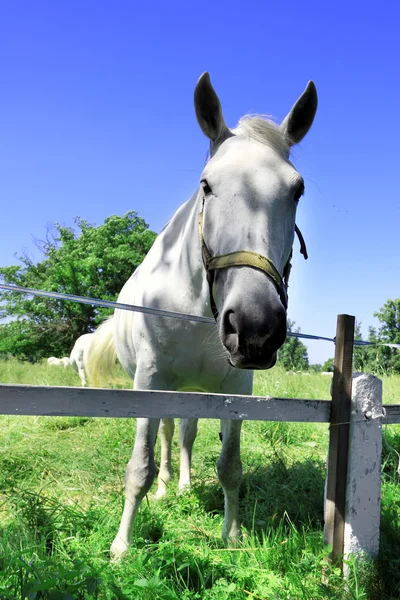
[166, 432]
[187, 436]
[229, 468]
[139, 476]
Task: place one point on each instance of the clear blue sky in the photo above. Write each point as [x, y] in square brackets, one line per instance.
[96, 118]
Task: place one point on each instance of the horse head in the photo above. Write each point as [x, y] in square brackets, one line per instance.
[249, 193]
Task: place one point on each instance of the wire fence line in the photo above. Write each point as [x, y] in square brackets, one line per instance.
[161, 313]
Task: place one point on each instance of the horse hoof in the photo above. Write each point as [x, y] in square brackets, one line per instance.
[183, 488]
[160, 493]
[118, 548]
[233, 539]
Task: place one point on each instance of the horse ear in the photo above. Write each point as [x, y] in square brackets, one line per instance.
[299, 120]
[208, 109]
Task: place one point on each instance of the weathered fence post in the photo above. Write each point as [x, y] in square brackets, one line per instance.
[335, 502]
[361, 532]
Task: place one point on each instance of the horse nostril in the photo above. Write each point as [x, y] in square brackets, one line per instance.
[230, 324]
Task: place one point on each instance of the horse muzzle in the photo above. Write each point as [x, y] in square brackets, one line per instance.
[252, 340]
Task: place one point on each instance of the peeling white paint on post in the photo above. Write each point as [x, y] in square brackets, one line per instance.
[362, 518]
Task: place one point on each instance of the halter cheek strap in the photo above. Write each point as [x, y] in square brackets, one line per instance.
[246, 258]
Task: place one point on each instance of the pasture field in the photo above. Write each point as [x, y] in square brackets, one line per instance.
[61, 494]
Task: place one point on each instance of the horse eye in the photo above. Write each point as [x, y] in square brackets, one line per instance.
[206, 188]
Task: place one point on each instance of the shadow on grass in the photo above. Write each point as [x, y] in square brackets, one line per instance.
[273, 492]
[278, 497]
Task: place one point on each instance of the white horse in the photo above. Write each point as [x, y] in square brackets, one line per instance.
[80, 355]
[57, 362]
[226, 252]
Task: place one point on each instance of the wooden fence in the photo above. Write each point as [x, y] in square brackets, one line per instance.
[352, 503]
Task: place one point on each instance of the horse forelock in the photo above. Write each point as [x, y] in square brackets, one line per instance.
[263, 129]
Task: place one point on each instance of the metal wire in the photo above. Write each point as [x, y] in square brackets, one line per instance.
[158, 312]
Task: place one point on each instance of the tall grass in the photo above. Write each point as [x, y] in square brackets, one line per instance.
[61, 494]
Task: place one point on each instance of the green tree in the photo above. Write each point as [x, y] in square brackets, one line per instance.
[293, 354]
[387, 360]
[327, 367]
[86, 261]
[377, 358]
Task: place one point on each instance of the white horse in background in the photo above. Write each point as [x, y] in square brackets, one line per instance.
[80, 355]
[57, 362]
[52, 360]
[226, 252]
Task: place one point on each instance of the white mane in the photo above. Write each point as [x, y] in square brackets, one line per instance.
[264, 130]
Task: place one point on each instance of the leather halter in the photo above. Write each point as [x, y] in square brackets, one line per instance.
[246, 258]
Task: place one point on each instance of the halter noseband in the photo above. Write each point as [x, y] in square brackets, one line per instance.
[246, 258]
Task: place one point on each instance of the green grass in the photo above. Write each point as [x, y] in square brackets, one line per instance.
[61, 495]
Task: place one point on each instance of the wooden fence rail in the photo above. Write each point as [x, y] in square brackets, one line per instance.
[48, 401]
[92, 402]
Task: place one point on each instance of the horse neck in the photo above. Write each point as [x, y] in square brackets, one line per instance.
[181, 246]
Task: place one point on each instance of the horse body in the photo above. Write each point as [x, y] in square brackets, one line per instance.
[247, 203]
